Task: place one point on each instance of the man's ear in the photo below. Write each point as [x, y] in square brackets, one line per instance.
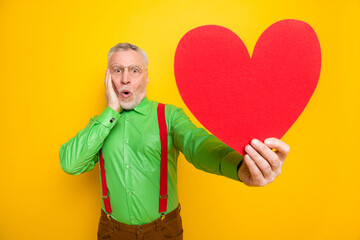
[147, 80]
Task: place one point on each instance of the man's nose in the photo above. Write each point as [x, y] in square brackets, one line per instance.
[126, 78]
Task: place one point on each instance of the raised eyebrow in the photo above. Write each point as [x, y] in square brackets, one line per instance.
[114, 65]
[135, 66]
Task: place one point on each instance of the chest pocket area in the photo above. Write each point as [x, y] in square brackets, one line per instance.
[149, 150]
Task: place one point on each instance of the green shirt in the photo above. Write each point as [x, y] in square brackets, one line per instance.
[131, 148]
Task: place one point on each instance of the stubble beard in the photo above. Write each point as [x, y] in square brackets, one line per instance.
[131, 104]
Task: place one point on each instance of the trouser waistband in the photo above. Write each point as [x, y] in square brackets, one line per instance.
[145, 227]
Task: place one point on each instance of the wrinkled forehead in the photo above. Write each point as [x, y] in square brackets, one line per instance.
[126, 58]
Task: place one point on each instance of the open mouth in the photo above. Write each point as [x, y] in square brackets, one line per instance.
[125, 93]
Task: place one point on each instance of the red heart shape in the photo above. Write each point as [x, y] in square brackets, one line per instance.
[238, 98]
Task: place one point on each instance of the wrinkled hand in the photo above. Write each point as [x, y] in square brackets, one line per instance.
[110, 93]
[261, 164]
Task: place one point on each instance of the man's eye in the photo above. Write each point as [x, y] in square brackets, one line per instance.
[117, 70]
[135, 70]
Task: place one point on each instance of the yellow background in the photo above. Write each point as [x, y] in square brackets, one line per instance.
[53, 61]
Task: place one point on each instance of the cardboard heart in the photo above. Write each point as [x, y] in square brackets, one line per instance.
[238, 97]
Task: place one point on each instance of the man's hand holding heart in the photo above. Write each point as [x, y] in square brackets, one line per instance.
[261, 165]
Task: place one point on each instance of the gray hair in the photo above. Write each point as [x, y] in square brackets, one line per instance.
[127, 46]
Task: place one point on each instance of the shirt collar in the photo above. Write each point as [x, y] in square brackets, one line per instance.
[143, 107]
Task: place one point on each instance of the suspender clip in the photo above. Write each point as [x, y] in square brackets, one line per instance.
[164, 196]
[162, 216]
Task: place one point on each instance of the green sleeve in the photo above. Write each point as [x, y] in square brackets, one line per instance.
[79, 154]
[203, 150]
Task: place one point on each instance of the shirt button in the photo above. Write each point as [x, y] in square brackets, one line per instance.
[130, 193]
[133, 218]
[127, 166]
[128, 120]
[127, 141]
[113, 119]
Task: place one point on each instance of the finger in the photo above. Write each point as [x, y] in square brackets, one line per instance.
[114, 89]
[257, 177]
[106, 76]
[108, 79]
[266, 153]
[109, 82]
[262, 164]
[282, 149]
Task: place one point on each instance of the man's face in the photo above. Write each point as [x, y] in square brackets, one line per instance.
[130, 88]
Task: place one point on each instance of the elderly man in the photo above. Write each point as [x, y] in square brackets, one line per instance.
[137, 145]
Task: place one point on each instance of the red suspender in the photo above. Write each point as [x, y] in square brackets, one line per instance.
[163, 167]
[105, 195]
[164, 159]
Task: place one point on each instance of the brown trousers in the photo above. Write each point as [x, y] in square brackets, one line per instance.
[168, 228]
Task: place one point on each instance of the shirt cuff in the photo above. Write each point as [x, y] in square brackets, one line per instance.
[108, 117]
[229, 165]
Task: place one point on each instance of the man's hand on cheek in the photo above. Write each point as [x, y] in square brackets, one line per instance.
[261, 164]
[111, 93]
